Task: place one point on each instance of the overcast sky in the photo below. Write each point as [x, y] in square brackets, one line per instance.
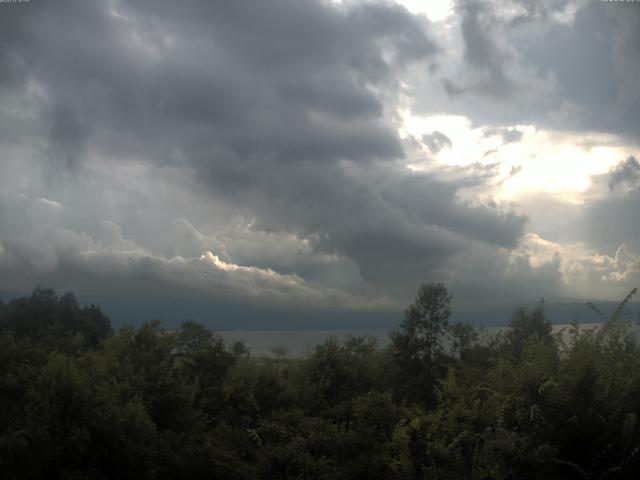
[320, 156]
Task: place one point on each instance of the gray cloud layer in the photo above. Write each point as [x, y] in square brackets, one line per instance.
[138, 136]
[561, 64]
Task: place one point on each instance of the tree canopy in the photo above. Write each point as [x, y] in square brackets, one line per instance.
[442, 401]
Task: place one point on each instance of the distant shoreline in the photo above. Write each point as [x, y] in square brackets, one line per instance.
[296, 342]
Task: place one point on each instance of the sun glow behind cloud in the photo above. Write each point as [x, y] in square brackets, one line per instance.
[534, 160]
[435, 10]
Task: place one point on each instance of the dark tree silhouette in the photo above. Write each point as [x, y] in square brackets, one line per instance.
[418, 349]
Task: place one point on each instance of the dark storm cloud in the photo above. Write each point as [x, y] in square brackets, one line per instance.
[508, 135]
[493, 82]
[436, 141]
[280, 79]
[280, 111]
[625, 58]
[561, 65]
[532, 11]
[394, 224]
[580, 56]
[67, 134]
[625, 174]
[612, 218]
[482, 50]
[511, 135]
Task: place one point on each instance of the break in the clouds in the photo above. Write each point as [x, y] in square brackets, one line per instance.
[319, 154]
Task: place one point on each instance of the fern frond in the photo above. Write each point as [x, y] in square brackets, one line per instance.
[623, 304]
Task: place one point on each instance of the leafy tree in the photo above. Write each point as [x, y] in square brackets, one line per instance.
[80, 401]
[463, 338]
[418, 348]
[529, 326]
[193, 337]
[57, 322]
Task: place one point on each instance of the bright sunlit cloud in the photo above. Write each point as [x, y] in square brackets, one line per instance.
[436, 10]
[530, 159]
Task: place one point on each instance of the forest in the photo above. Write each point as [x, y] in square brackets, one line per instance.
[444, 400]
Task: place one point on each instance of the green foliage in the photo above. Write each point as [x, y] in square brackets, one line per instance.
[55, 322]
[529, 327]
[78, 400]
[418, 349]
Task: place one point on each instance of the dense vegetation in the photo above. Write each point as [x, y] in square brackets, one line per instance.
[78, 400]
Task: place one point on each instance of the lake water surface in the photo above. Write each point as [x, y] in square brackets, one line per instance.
[298, 342]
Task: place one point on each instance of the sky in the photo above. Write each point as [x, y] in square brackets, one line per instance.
[318, 160]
